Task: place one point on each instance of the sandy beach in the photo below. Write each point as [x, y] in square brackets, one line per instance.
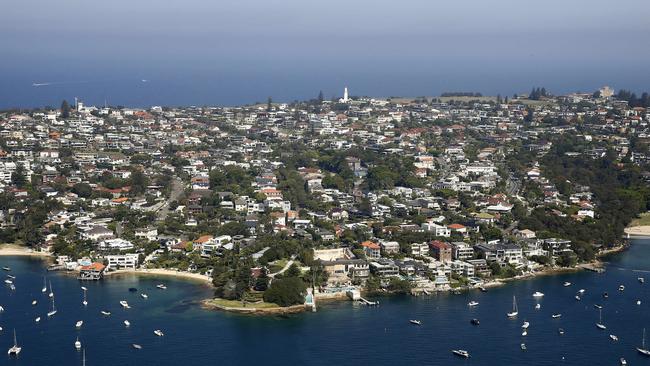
[17, 250]
[638, 231]
[162, 272]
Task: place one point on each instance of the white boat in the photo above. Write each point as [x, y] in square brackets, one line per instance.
[38, 319]
[600, 324]
[581, 291]
[523, 346]
[11, 277]
[638, 302]
[6, 268]
[51, 294]
[472, 303]
[2, 309]
[158, 332]
[15, 350]
[124, 304]
[85, 302]
[641, 279]
[524, 333]
[460, 352]
[53, 311]
[642, 350]
[44, 289]
[34, 302]
[104, 312]
[12, 287]
[561, 331]
[578, 298]
[162, 287]
[623, 362]
[416, 322]
[525, 325]
[598, 306]
[79, 324]
[514, 311]
[567, 284]
[127, 323]
[136, 346]
[555, 316]
[144, 296]
[621, 288]
[613, 337]
[84, 288]
[77, 344]
[8, 281]
[538, 294]
[538, 306]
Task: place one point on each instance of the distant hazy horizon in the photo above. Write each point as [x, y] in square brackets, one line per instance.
[198, 52]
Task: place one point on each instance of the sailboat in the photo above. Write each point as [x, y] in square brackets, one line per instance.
[642, 350]
[77, 344]
[600, 324]
[53, 311]
[85, 302]
[51, 292]
[15, 350]
[514, 312]
[44, 289]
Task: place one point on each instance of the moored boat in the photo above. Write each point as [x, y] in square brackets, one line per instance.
[472, 303]
[415, 322]
[158, 332]
[15, 349]
[460, 353]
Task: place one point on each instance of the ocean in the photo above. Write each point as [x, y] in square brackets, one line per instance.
[340, 333]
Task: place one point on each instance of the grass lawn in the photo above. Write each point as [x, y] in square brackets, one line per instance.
[238, 304]
[644, 220]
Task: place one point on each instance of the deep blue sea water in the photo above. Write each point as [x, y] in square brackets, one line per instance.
[339, 333]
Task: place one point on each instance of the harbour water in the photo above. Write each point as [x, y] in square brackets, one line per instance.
[339, 333]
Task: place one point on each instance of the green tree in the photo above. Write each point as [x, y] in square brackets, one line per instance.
[286, 291]
[18, 177]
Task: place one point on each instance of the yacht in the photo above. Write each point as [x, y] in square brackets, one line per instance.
[524, 333]
[84, 288]
[77, 344]
[600, 324]
[158, 332]
[525, 325]
[642, 350]
[6, 268]
[79, 324]
[638, 302]
[641, 279]
[472, 303]
[104, 312]
[44, 289]
[555, 316]
[621, 288]
[460, 352]
[85, 302]
[162, 287]
[1, 309]
[51, 294]
[124, 304]
[8, 281]
[581, 291]
[514, 311]
[53, 311]
[136, 346]
[15, 350]
[538, 306]
[415, 322]
[38, 319]
[623, 362]
[561, 331]
[127, 323]
[613, 337]
[144, 296]
[34, 302]
[475, 321]
[11, 277]
[538, 294]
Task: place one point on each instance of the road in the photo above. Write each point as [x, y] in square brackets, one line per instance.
[286, 267]
[177, 190]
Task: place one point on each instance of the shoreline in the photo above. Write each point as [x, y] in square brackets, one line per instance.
[7, 250]
[210, 304]
[638, 232]
[162, 272]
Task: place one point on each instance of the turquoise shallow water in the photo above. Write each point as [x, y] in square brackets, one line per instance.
[339, 333]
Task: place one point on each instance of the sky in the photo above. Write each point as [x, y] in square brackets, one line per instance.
[206, 52]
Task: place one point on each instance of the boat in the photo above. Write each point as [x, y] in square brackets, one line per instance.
[475, 321]
[597, 306]
[621, 288]
[538, 306]
[523, 346]
[136, 346]
[84, 288]
[133, 289]
[104, 312]
[578, 298]
[416, 322]
[1, 309]
[514, 311]
[38, 319]
[53, 311]
[34, 302]
[538, 294]
[127, 323]
[158, 332]
[605, 295]
[581, 291]
[8, 281]
[161, 286]
[561, 331]
[600, 324]
[44, 289]
[623, 362]
[6, 268]
[525, 325]
[79, 324]
[613, 337]
[638, 302]
[85, 302]
[124, 304]
[555, 316]
[641, 279]
[144, 296]
[642, 350]
[12, 287]
[460, 353]
[77, 344]
[51, 294]
[472, 303]
[14, 350]
[524, 333]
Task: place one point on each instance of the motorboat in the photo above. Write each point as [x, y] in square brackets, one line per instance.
[6, 269]
[538, 294]
[77, 344]
[525, 325]
[127, 323]
[561, 331]
[623, 362]
[555, 316]
[144, 296]
[566, 284]
[34, 302]
[523, 346]
[578, 298]
[104, 312]
[581, 291]
[605, 295]
[524, 333]
[38, 319]
[136, 346]
[472, 303]
[460, 353]
[79, 324]
[8, 281]
[158, 332]
[161, 286]
[124, 304]
[538, 306]
[641, 279]
[613, 337]
[621, 288]
[415, 322]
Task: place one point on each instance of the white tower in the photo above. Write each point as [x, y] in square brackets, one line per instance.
[345, 95]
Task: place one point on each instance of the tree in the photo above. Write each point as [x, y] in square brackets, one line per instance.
[269, 105]
[139, 182]
[82, 190]
[18, 177]
[286, 292]
[65, 109]
[262, 282]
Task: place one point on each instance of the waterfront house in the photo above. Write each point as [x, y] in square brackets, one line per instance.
[122, 261]
[93, 271]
